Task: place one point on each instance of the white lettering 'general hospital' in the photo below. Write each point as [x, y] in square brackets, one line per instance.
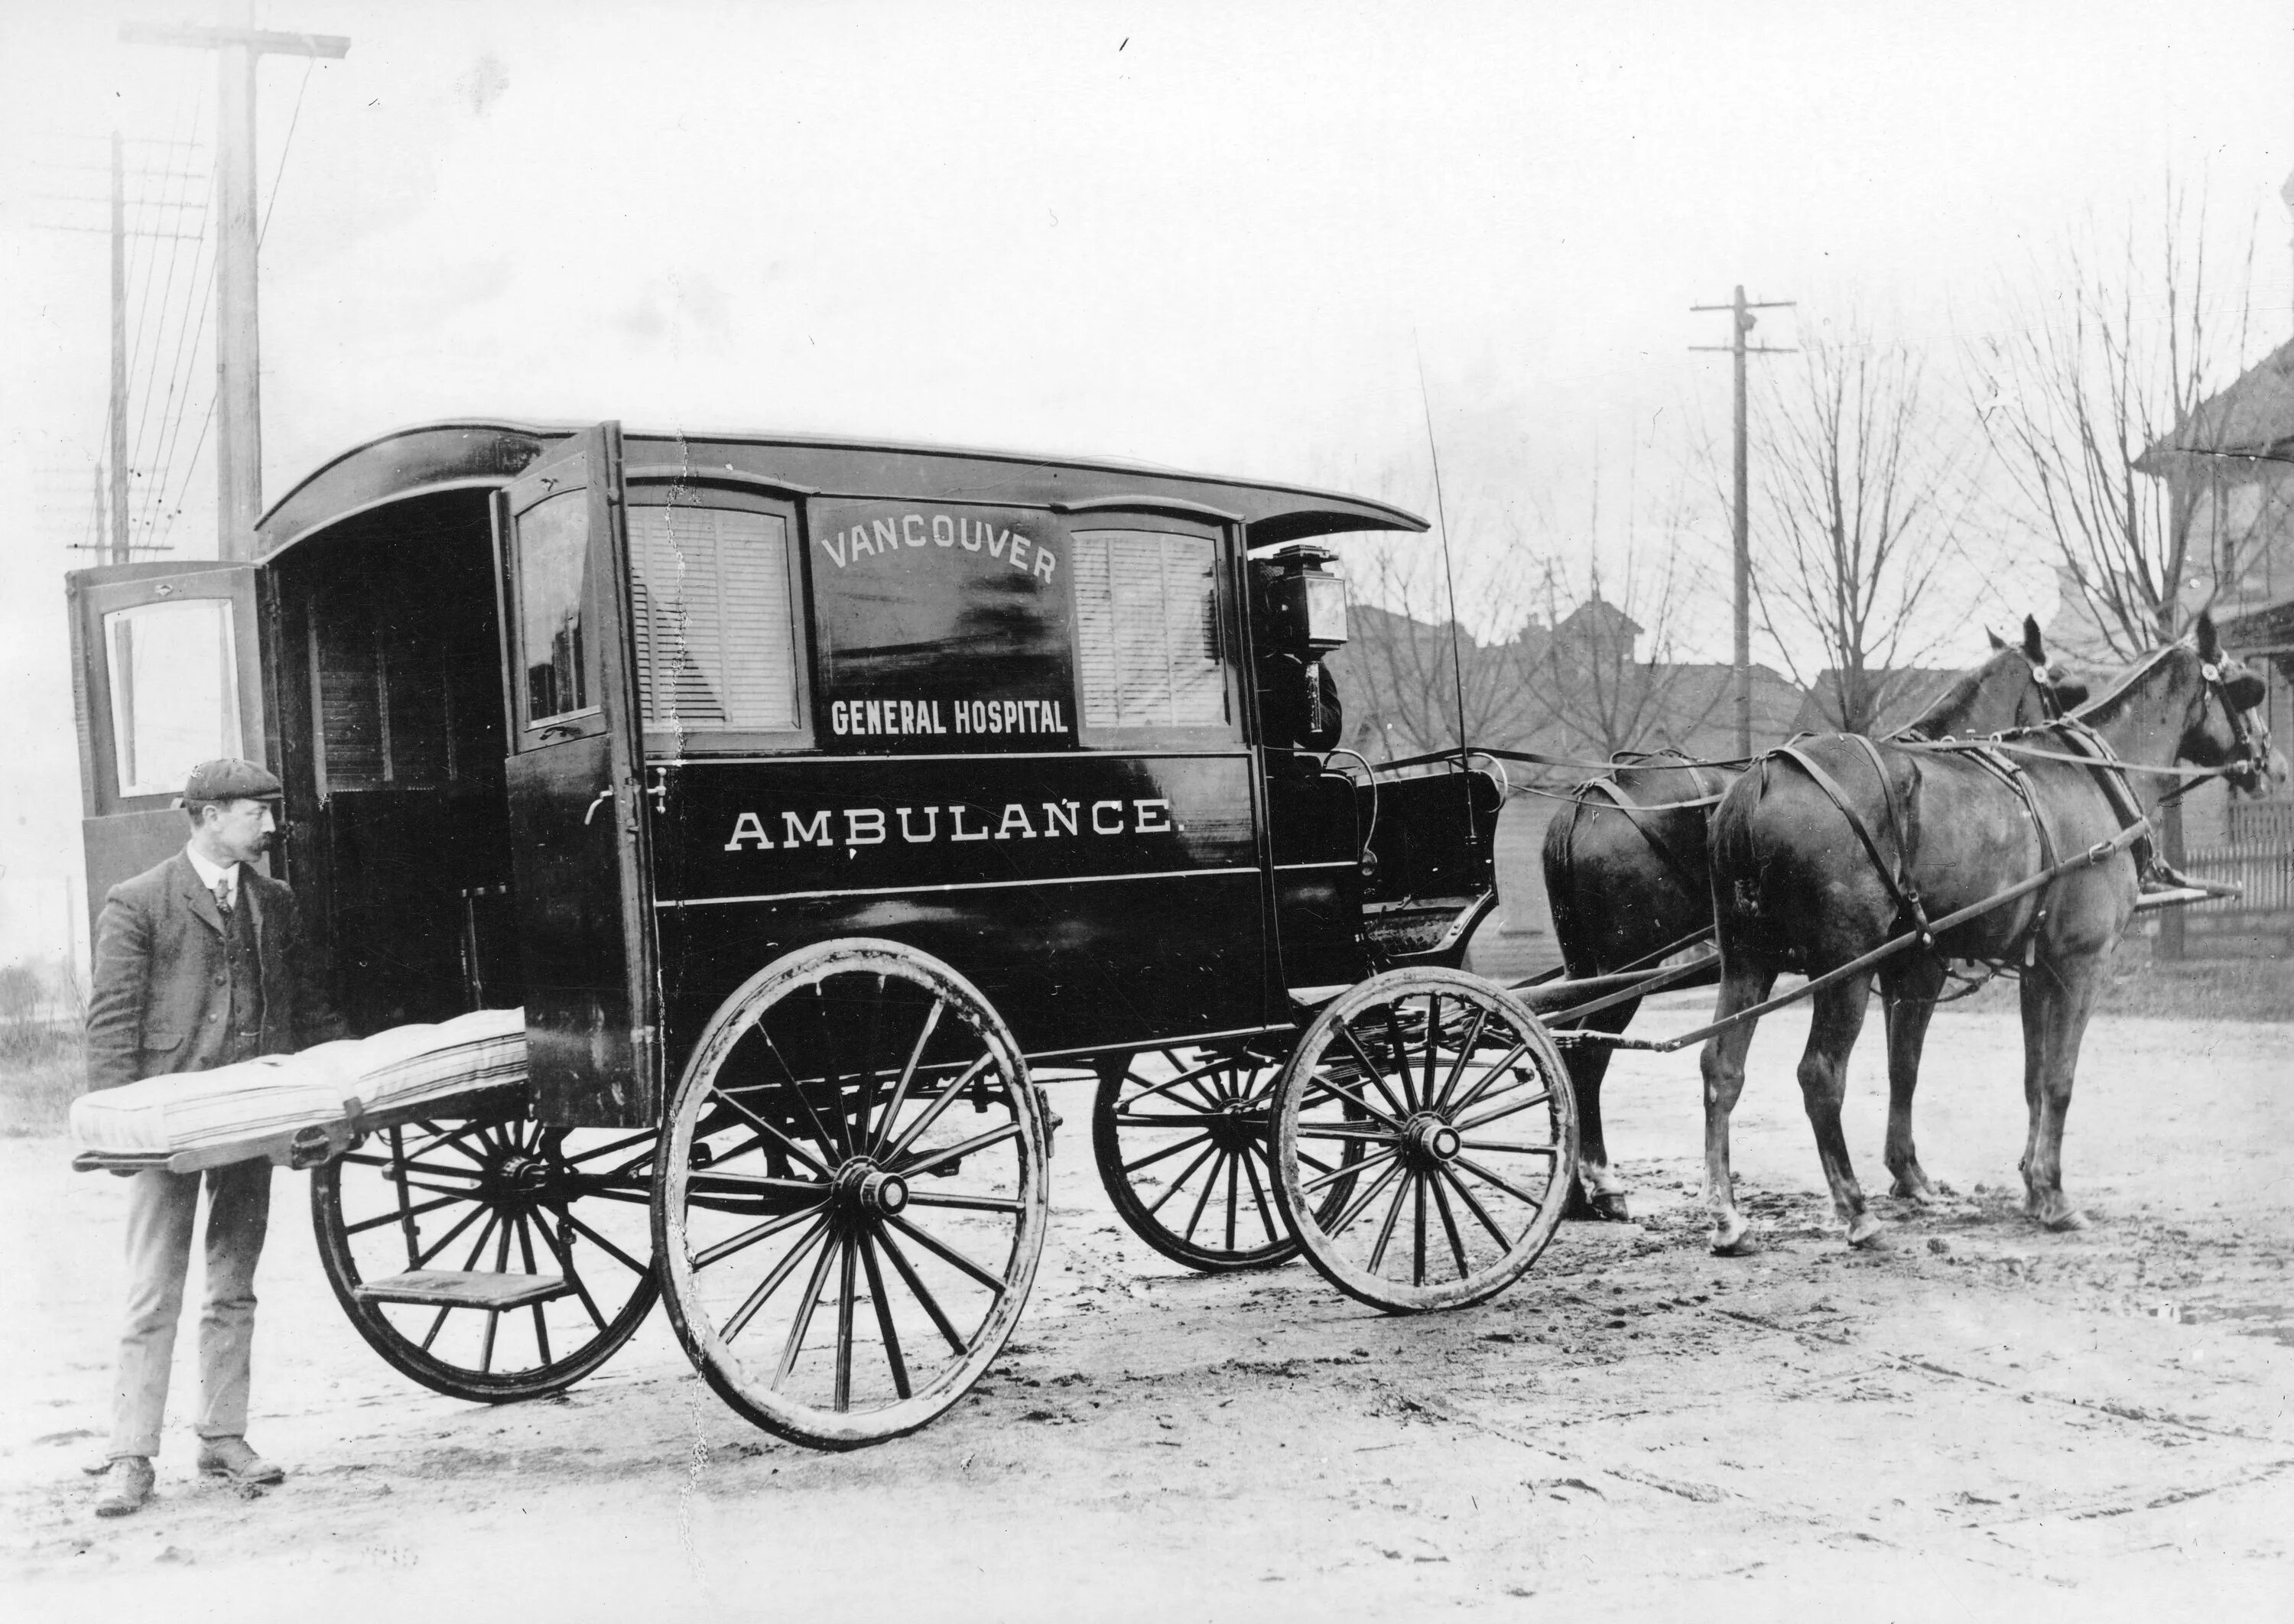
[892, 537]
[964, 821]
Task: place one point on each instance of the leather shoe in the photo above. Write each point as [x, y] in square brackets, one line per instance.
[126, 1484]
[232, 1459]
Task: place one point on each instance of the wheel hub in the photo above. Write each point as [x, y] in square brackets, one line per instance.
[1430, 1141]
[1237, 1124]
[864, 1190]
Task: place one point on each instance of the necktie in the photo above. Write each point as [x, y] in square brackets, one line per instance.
[223, 895]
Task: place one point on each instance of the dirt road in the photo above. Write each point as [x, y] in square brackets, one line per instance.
[1981, 1421]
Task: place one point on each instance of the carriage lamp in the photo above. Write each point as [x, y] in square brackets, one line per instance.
[1302, 603]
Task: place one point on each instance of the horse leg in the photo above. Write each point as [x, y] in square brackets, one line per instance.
[1907, 991]
[1743, 983]
[2058, 998]
[1597, 1194]
[1832, 1036]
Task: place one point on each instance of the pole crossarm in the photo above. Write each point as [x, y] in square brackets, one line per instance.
[264, 42]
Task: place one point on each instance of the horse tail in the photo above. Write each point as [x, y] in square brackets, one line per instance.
[1734, 856]
[1559, 858]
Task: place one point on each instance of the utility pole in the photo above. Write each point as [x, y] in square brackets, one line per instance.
[1743, 322]
[120, 553]
[239, 402]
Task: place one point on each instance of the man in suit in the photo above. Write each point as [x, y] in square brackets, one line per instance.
[198, 964]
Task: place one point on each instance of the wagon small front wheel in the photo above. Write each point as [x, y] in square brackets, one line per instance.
[1454, 1107]
[852, 1193]
[1183, 1138]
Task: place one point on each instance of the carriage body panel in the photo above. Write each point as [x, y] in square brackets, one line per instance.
[600, 724]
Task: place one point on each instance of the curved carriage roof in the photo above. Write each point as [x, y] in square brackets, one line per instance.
[433, 457]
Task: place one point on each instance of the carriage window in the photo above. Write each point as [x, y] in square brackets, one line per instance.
[553, 543]
[175, 691]
[1147, 629]
[716, 643]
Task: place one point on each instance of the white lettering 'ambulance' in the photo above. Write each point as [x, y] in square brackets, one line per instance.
[887, 537]
[924, 825]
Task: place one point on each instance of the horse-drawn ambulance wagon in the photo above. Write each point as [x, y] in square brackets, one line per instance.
[819, 804]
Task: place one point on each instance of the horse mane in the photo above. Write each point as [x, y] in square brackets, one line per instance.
[2107, 706]
[1954, 700]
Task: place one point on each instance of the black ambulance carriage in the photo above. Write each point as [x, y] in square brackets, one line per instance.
[822, 804]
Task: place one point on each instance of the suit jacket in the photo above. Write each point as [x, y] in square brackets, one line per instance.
[161, 1000]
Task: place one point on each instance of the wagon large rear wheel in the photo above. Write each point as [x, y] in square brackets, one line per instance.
[852, 1193]
[492, 1258]
[1459, 1112]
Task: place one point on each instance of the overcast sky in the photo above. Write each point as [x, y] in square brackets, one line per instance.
[1218, 236]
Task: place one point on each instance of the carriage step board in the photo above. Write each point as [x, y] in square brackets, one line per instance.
[464, 1289]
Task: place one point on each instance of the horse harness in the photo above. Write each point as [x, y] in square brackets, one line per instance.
[1636, 814]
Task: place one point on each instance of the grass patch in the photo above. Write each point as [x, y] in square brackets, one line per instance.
[41, 1073]
[2260, 990]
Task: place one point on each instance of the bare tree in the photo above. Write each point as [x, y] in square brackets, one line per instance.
[1587, 691]
[1405, 664]
[2105, 378]
[1860, 505]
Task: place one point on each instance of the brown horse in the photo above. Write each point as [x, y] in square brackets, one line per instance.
[1799, 883]
[1627, 877]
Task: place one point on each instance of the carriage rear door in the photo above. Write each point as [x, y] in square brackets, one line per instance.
[166, 674]
[580, 853]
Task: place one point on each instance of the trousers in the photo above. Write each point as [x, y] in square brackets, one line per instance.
[161, 1209]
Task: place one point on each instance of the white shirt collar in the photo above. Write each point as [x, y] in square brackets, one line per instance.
[211, 876]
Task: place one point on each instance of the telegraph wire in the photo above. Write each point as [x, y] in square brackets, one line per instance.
[143, 328]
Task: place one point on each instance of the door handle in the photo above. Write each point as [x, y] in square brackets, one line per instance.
[604, 796]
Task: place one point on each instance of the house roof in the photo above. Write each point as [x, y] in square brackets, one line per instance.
[2253, 418]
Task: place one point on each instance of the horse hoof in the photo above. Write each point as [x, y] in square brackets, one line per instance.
[2068, 1222]
[1918, 1191]
[1743, 1245]
[1869, 1235]
[1609, 1207]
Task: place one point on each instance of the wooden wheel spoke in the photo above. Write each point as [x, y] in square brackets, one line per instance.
[1361, 1203]
[1487, 1177]
[1232, 1196]
[1484, 1118]
[1122, 1121]
[846, 1266]
[779, 1138]
[1392, 1124]
[1504, 1240]
[771, 1283]
[401, 1215]
[1490, 1078]
[885, 1327]
[907, 1076]
[1433, 1050]
[948, 1254]
[750, 1236]
[563, 1253]
[712, 1179]
[1450, 1227]
[1376, 1079]
[1386, 1230]
[831, 1146]
[1383, 1136]
[864, 1095]
[1417, 1226]
[932, 1159]
[1465, 1052]
[1502, 1148]
[1258, 1196]
[1179, 1184]
[448, 1238]
[1151, 1159]
[807, 1303]
[924, 1298]
[1210, 1185]
[1346, 1169]
[931, 1112]
[566, 1215]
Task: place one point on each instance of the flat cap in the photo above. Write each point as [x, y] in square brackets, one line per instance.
[230, 779]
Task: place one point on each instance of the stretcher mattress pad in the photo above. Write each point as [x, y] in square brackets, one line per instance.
[255, 1102]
